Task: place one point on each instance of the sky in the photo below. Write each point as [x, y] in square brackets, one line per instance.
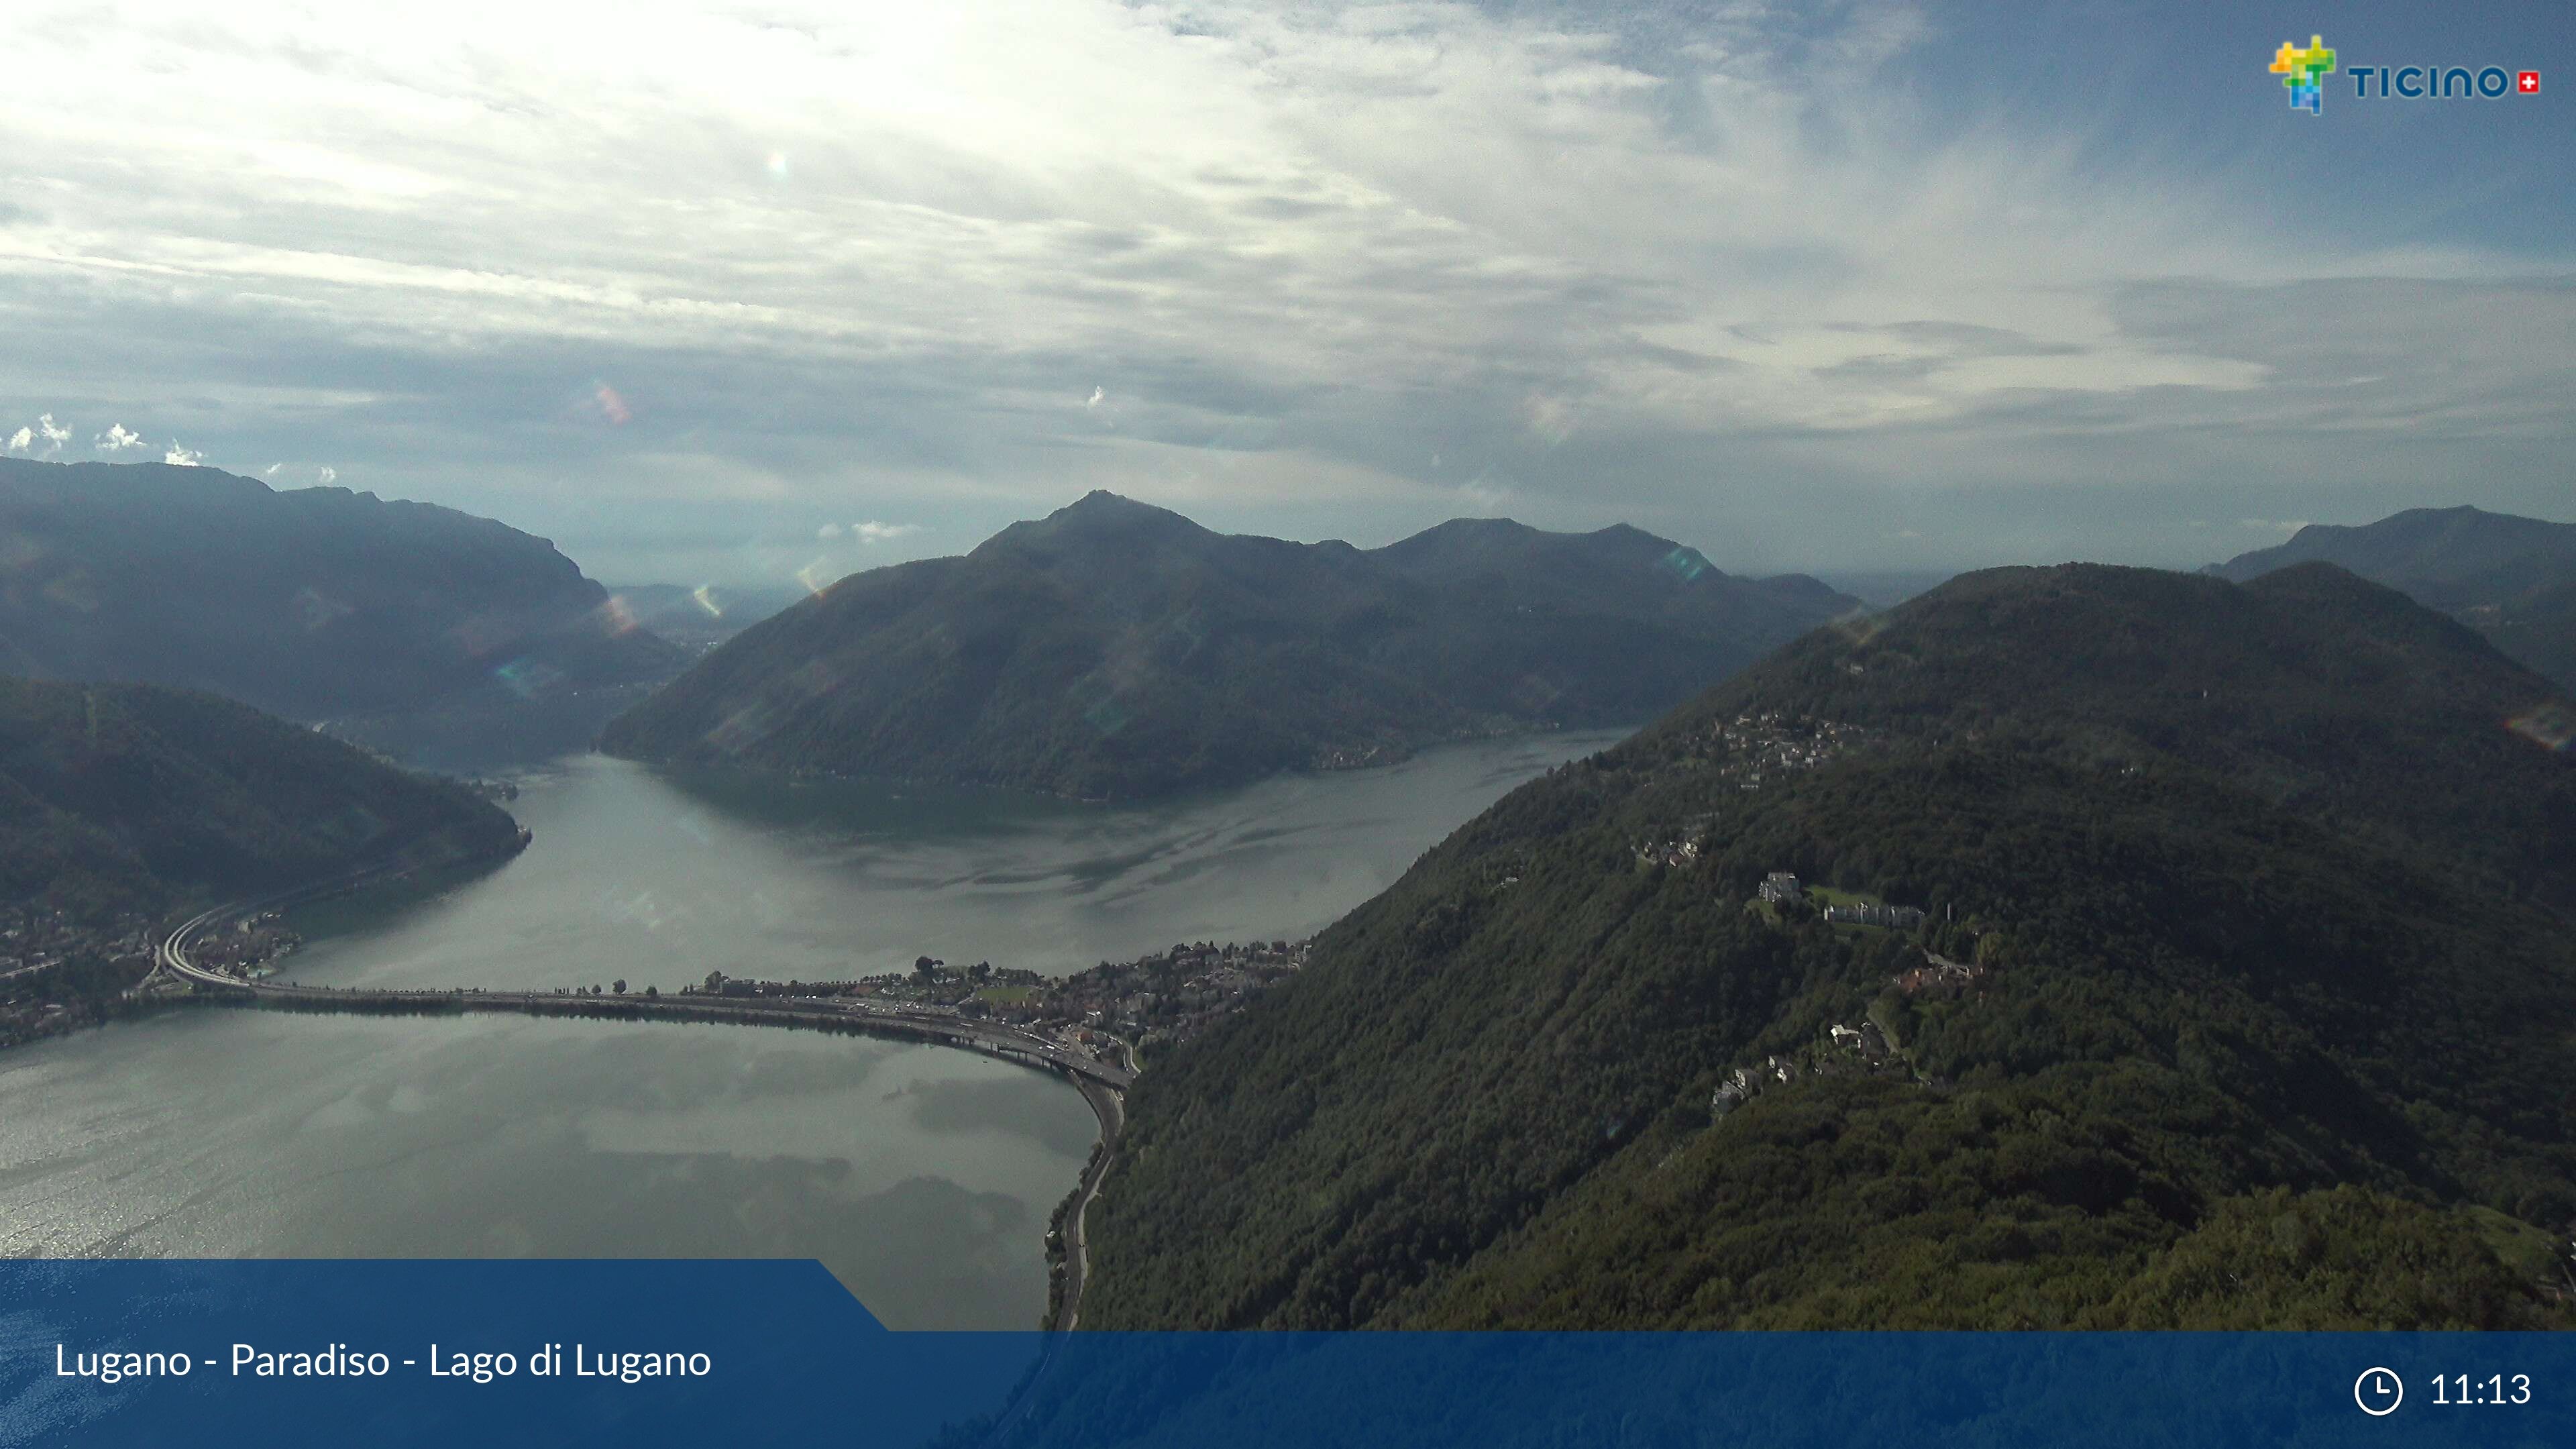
[740, 292]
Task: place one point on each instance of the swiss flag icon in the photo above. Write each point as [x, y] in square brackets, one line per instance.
[2528, 83]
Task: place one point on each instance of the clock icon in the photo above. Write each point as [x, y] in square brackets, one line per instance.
[2379, 1391]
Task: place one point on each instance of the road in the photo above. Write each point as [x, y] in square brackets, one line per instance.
[1111, 1108]
[944, 1028]
[1102, 1084]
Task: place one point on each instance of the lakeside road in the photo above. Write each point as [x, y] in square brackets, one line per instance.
[1102, 1084]
[1111, 1108]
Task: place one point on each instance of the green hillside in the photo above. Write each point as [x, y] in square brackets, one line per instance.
[2512, 579]
[438, 636]
[1117, 649]
[2250, 1005]
[131, 799]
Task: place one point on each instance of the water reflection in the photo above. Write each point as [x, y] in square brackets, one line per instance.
[659, 878]
[923, 1177]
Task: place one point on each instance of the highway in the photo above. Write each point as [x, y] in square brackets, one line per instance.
[943, 1028]
[1111, 1108]
[1103, 1084]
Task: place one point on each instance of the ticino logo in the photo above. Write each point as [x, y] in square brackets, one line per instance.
[2303, 70]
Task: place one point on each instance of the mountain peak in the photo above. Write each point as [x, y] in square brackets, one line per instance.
[1101, 500]
[1097, 519]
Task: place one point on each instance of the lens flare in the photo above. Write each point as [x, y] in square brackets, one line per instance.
[528, 678]
[2552, 725]
[741, 729]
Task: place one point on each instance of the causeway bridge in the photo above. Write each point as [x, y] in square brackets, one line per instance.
[1103, 1084]
[863, 1017]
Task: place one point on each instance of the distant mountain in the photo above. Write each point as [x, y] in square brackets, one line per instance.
[132, 798]
[2238, 999]
[426, 631]
[1117, 649]
[2512, 579]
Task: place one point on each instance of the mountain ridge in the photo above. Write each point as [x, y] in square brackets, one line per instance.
[317, 604]
[137, 797]
[1118, 649]
[2511, 578]
[2235, 962]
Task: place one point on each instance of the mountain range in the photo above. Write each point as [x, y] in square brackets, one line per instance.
[2203, 962]
[2512, 579]
[433, 634]
[1115, 649]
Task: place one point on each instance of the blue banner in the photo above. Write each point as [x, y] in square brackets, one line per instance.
[497, 1354]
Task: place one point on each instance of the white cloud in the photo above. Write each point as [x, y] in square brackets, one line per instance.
[271, 470]
[117, 439]
[21, 440]
[45, 431]
[828, 532]
[1697, 265]
[179, 457]
[873, 532]
[328, 476]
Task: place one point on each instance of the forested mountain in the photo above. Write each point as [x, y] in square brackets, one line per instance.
[2512, 579]
[1115, 648]
[2241, 999]
[426, 631]
[132, 798]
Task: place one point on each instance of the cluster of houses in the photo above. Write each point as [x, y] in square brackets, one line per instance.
[42, 939]
[1668, 852]
[1901, 918]
[250, 949]
[1166, 997]
[1780, 887]
[1845, 1051]
[36, 996]
[1939, 977]
[1775, 744]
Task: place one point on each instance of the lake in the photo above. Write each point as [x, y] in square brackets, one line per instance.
[921, 1176]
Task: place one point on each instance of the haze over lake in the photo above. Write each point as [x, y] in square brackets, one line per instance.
[922, 1176]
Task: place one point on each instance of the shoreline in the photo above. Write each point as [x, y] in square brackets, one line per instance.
[176, 982]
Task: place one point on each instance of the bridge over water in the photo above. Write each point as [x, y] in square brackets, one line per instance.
[1103, 1084]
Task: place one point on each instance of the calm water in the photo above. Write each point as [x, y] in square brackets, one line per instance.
[921, 1176]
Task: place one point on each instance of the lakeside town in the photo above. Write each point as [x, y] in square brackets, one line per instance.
[1111, 1012]
[59, 974]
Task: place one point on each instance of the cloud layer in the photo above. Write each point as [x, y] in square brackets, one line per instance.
[667, 282]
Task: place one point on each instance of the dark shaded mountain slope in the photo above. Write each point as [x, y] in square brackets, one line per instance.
[2255, 1012]
[2512, 579]
[423, 630]
[118, 798]
[1114, 648]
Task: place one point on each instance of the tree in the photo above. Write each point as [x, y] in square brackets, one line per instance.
[618, 986]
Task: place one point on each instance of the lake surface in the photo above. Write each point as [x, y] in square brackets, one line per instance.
[921, 1176]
